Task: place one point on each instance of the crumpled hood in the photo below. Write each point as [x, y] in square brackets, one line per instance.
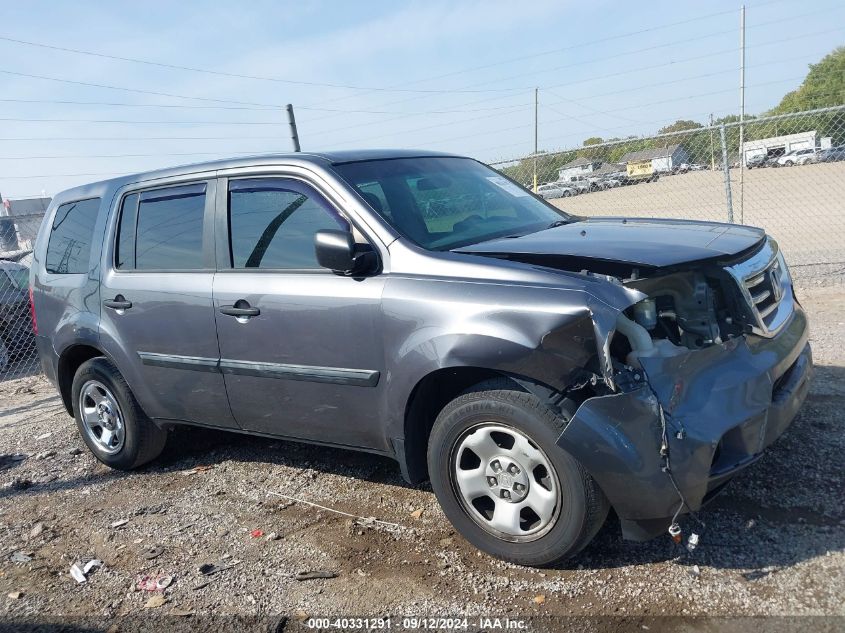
[643, 242]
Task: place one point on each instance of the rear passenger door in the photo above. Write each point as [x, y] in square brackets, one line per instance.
[157, 311]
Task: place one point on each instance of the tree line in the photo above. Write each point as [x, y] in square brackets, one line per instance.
[824, 86]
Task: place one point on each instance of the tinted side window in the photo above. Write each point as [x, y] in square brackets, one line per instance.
[69, 246]
[124, 257]
[272, 223]
[169, 229]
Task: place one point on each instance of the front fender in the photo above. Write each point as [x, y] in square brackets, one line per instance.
[542, 333]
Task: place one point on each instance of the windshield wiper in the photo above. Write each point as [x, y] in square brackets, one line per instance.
[557, 223]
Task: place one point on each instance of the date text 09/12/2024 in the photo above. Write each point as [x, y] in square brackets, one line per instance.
[417, 623]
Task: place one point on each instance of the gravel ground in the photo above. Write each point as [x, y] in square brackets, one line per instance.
[773, 544]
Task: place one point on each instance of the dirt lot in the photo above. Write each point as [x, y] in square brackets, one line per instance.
[774, 542]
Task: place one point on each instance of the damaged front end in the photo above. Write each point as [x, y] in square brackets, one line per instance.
[700, 376]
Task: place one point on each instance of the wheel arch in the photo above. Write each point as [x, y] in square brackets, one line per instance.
[70, 360]
[428, 398]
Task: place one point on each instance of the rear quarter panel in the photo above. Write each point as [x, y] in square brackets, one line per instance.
[67, 306]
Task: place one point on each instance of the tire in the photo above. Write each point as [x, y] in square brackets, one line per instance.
[498, 410]
[567, 194]
[134, 438]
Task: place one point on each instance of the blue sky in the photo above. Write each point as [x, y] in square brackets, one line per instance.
[434, 74]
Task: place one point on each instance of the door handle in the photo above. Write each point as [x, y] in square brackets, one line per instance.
[238, 311]
[118, 303]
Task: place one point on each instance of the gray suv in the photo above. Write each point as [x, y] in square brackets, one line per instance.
[538, 368]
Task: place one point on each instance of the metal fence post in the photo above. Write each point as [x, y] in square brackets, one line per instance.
[726, 170]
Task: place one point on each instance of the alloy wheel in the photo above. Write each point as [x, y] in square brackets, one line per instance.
[101, 416]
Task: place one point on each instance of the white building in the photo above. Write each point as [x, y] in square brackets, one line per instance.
[778, 145]
[577, 169]
[663, 159]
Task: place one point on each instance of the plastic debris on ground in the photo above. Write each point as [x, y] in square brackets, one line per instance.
[313, 575]
[156, 582]
[20, 557]
[196, 469]
[207, 569]
[80, 574]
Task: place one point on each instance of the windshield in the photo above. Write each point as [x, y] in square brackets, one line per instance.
[445, 203]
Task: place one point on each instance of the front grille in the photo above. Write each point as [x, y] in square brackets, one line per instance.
[766, 289]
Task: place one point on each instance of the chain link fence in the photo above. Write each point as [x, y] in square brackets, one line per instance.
[17, 341]
[783, 173]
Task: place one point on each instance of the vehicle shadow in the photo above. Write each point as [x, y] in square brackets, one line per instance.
[190, 446]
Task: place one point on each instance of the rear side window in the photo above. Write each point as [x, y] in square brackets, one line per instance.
[125, 251]
[162, 229]
[272, 223]
[69, 246]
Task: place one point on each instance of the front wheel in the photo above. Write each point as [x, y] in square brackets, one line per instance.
[504, 483]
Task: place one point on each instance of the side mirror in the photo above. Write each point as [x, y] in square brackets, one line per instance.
[337, 251]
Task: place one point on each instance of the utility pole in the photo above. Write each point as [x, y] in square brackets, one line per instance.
[536, 108]
[741, 114]
[726, 173]
[712, 152]
[294, 135]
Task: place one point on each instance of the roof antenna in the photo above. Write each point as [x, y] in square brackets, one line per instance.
[294, 135]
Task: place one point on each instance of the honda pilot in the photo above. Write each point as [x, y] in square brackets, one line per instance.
[537, 367]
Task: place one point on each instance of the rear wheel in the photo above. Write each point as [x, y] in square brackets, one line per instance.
[505, 484]
[110, 420]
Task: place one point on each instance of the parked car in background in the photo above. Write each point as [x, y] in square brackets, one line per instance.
[537, 368]
[580, 185]
[23, 257]
[553, 190]
[16, 256]
[831, 154]
[17, 339]
[683, 168]
[609, 183]
[797, 157]
[757, 160]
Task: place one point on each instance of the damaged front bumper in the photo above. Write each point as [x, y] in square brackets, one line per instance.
[723, 406]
